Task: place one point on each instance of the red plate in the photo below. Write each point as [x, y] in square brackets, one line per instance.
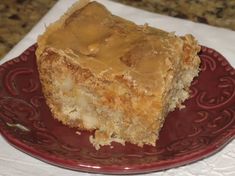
[205, 126]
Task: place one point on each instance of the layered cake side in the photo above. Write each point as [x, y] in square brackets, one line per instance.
[104, 73]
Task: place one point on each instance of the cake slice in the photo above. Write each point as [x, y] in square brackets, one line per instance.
[104, 73]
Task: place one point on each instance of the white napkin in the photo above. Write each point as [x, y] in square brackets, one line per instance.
[14, 162]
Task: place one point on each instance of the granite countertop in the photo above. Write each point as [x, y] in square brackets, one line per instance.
[17, 17]
[219, 13]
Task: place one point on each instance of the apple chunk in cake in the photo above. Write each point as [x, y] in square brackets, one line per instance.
[101, 72]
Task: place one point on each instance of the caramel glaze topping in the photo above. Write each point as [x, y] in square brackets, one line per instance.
[105, 43]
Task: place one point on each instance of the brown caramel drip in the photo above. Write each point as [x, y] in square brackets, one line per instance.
[103, 42]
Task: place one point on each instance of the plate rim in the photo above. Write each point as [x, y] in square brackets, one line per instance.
[116, 169]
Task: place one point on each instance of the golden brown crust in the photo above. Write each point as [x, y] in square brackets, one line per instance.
[99, 71]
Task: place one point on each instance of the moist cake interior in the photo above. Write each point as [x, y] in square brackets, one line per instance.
[101, 72]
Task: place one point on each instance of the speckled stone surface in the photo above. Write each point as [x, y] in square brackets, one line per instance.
[17, 17]
[219, 13]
